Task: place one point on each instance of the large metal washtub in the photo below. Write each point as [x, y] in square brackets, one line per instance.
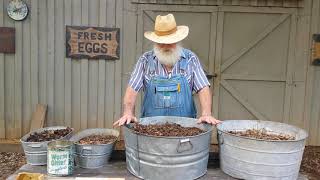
[151, 157]
[93, 156]
[36, 152]
[249, 158]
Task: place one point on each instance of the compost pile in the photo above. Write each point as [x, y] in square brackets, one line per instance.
[97, 139]
[48, 135]
[262, 134]
[166, 129]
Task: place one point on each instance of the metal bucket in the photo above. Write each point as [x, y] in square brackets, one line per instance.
[93, 156]
[151, 157]
[249, 158]
[36, 152]
[60, 158]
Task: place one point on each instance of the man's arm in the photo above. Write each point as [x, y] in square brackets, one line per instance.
[205, 103]
[128, 107]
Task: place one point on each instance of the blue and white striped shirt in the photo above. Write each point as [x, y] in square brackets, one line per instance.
[195, 75]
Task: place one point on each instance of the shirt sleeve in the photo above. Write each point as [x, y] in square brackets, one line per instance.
[199, 77]
[136, 79]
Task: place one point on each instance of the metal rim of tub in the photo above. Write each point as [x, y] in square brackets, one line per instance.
[208, 126]
[304, 135]
[24, 138]
[94, 131]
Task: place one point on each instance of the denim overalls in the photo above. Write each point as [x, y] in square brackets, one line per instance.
[168, 96]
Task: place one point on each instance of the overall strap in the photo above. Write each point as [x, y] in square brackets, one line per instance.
[183, 66]
[152, 67]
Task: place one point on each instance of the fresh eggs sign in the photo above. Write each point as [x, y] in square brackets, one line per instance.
[92, 42]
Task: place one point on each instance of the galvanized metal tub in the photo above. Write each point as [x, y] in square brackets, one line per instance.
[152, 157]
[93, 156]
[60, 158]
[250, 158]
[36, 152]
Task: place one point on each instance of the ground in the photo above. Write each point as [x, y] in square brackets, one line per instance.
[10, 162]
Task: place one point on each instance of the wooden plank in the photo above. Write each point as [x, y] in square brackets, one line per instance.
[254, 2]
[93, 71]
[212, 52]
[9, 84]
[76, 73]
[218, 60]
[290, 68]
[26, 75]
[2, 81]
[235, 3]
[259, 38]
[110, 71]
[51, 62]
[43, 49]
[178, 8]
[129, 48]
[18, 81]
[118, 64]
[101, 69]
[253, 77]
[84, 70]
[67, 71]
[38, 117]
[243, 101]
[312, 81]
[34, 54]
[59, 76]
[266, 10]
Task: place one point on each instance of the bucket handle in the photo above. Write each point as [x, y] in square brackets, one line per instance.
[88, 149]
[220, 137]
[180, 148]
[35, 145]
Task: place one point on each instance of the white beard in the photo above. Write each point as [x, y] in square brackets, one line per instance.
[168, 57]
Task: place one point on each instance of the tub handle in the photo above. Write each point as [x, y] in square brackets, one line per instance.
[35, 145]
[184, 145]
[88, 149]
[220, 138]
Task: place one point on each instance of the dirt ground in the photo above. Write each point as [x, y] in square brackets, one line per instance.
[10, 162]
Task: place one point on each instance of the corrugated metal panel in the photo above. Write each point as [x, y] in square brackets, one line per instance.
[79, 93]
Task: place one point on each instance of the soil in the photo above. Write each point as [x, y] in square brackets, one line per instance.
[48, 135]
[10, 162]
[262, 134]
[310, 165]
[98, 139]
[166, 129]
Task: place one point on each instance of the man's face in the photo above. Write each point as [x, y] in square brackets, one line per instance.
[168, 54]
[167, 47]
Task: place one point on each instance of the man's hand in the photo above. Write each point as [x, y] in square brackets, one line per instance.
[209, 119]
[125, 119]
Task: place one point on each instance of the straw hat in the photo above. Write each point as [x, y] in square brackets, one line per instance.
[166, 31]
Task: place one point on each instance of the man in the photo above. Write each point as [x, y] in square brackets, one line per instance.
[168, 74]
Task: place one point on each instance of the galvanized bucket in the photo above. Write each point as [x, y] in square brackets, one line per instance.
[36, 152]
[60, 158]
[151, 157]
[93, 156]
[249, 158]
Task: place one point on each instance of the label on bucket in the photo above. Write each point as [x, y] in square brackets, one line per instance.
[58, 162]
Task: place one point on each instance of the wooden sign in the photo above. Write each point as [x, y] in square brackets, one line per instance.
[316, 49]
[7, 40]
[92, 42]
